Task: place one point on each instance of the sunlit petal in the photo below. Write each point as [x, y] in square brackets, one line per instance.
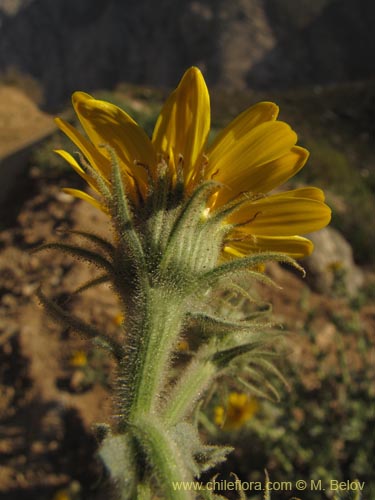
[246, 121]
[233, 160]
[184, 122]
[76, 166]
[77, 193]
[310, 192]
[93, 156]
[108, 125]
[268, 176]
[282, 215]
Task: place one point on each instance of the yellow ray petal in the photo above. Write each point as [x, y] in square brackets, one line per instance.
[247, 120]
[233, 160]
[266, 177]
[93, 156]
[77, 193]
[295, 246]
[184, 122]
[76, 166]
[313, 193]
[106, 124]
[282, 215]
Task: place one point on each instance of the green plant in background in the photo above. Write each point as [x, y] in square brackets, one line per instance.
[84, 369]
[321, 430]
[190, 222]
[348, 189]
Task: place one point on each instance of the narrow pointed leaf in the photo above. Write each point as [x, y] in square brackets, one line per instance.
[212, 276]
[92, 283]
[71, 321]
[222, 358]
[222, 324]
[255, 390]
[194, 202]
[80, 253]
[122, 213]
[94, 238]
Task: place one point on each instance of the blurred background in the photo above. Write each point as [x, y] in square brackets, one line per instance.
[316, 60]
[67, 45]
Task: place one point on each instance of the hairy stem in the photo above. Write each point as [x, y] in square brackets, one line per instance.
[158, 324]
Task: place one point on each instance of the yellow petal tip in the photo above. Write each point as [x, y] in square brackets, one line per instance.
[78, 96]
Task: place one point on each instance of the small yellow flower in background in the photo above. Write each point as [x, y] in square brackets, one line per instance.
[118, 319]
[239, 409]
[252, 156]
[69, 493]
[62, 495]
[78, 359]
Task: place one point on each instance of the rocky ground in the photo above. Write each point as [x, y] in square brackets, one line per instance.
[50, 396]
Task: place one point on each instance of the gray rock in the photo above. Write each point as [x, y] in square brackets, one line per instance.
[331, 266]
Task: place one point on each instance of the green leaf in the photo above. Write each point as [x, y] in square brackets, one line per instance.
[213, 276]
[198, 457]
[270, 367]
[104, 244]
[123, 217]
[71, 321]
[223, 358]
[92, 283]
[188, 225]
[219, 324]
[189, 211]
[256, 390]
[80, 253]
[100, 181]
[118, 455]
[231, 207]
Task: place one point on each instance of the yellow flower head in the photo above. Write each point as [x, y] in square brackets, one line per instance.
[252, 156]
[78, 359]
[239, 409]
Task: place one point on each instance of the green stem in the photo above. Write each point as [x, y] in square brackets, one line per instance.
[158, 326]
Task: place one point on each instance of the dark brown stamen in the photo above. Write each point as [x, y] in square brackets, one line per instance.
[214, 174]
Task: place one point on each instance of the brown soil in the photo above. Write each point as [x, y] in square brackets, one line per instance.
[48, 406]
